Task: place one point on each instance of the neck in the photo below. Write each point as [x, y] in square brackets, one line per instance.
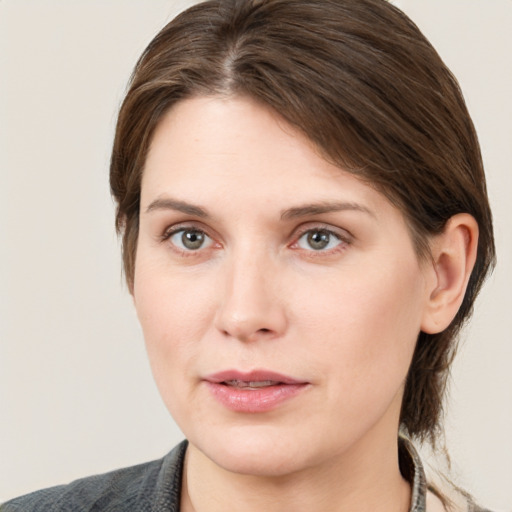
[367, 478]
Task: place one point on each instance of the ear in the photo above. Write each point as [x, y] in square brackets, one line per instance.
[453, 257]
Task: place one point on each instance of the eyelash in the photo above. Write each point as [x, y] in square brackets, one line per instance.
[169, 233]
[344, 240]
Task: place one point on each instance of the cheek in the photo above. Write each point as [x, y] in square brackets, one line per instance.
[174, 315]
[174, 310]
[366, 324]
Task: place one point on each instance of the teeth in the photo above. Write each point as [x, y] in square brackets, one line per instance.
[251, 384]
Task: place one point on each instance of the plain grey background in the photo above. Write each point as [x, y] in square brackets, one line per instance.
[76, 393]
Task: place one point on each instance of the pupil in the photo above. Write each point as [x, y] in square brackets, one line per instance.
[192, 239]
[318, 239]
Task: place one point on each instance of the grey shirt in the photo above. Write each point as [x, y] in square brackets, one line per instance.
[156, 486]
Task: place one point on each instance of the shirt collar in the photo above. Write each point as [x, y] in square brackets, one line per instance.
[412, 470]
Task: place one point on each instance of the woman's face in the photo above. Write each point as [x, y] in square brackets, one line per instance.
[279, 296]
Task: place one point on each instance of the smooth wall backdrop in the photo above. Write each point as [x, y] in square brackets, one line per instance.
[76, 393]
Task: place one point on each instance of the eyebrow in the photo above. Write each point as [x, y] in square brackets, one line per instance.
[323, 207]
[179, 206]
[290, 213]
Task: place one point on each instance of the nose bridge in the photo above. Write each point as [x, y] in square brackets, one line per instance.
[250, 306]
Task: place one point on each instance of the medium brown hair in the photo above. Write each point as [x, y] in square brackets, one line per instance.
[359, 80]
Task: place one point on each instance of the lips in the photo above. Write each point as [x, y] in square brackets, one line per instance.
[253, 392]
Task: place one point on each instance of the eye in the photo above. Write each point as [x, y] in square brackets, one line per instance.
[319, 240]
[190, 239]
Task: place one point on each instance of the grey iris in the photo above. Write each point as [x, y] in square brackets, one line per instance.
[318, 239]
[192, 239]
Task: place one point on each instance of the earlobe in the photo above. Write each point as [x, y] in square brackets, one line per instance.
[453, 258]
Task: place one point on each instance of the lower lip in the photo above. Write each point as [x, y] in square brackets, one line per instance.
[254, 400]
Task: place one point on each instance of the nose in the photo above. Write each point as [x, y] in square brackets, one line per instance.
[251, 305]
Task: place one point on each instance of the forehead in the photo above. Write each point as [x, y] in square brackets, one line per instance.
[237, 132]
[240, 155]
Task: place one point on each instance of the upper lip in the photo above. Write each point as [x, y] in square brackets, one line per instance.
[252, 376]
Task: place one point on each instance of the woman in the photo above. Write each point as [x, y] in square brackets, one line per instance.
[305, 229]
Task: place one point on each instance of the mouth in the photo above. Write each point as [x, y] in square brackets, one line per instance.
[253, 392]
[254, 384]
[255, 378]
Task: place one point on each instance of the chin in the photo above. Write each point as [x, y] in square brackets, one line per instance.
[254, 452]
[270, 464]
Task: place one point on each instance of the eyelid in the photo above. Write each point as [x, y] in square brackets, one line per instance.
[343, 234]
[207, 241]
[185, 226]
[173, 229]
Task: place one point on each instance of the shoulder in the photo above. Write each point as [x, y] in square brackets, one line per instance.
[152, 486]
